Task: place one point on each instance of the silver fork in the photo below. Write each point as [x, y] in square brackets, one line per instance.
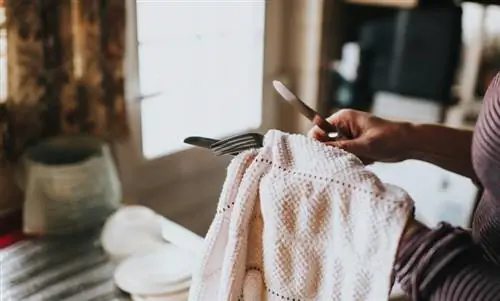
[237, 144]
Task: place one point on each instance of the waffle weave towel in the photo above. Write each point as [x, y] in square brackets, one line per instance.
[301, 221]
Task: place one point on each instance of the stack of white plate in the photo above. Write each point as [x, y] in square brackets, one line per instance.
[161, 275]
[156, 256]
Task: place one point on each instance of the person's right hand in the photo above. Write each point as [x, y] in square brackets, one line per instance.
[370, 138]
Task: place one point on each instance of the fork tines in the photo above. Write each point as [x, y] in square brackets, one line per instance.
[237, 144]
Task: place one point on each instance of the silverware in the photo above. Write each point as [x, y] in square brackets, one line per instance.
[200, 141]
[305, 110]
[237, 144]
[229, 146]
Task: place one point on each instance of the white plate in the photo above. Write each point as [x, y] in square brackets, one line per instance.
[182, 237]
[165, 270]
[131, 230]
[175, 297]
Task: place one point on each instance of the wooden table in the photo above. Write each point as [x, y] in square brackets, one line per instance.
[70, 268]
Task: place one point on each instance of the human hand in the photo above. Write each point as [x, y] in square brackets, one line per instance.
[370, 138]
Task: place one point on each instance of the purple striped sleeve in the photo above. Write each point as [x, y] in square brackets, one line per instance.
[444, 264]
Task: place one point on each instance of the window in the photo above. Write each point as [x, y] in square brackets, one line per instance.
[3, 54]
[205, 60]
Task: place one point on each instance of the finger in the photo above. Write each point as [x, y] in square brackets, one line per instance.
[316, 133]
[350, 147]
[335, 119]
[341, 117]
[366, 161]
[355, 146]
[343, 120]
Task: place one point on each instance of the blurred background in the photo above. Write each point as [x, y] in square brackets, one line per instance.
[147, 74]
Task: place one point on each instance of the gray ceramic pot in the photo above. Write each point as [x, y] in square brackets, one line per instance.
[71, 184]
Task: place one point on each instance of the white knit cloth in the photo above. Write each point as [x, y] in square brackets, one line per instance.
[301, 221]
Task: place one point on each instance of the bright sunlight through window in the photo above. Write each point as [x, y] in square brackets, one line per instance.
[206, 60]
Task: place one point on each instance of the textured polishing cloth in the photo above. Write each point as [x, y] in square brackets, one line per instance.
[299, 220]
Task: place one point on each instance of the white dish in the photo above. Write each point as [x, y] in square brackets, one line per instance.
[165, 270]
[182, 237]
[131, 230]
[176, 297]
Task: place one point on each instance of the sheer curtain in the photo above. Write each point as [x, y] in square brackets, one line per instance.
[3, 54]
[65, 73]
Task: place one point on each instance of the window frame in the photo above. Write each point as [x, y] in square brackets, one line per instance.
[191, 162]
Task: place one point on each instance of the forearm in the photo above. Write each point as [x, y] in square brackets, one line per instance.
[445, 147]
[444, 265]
